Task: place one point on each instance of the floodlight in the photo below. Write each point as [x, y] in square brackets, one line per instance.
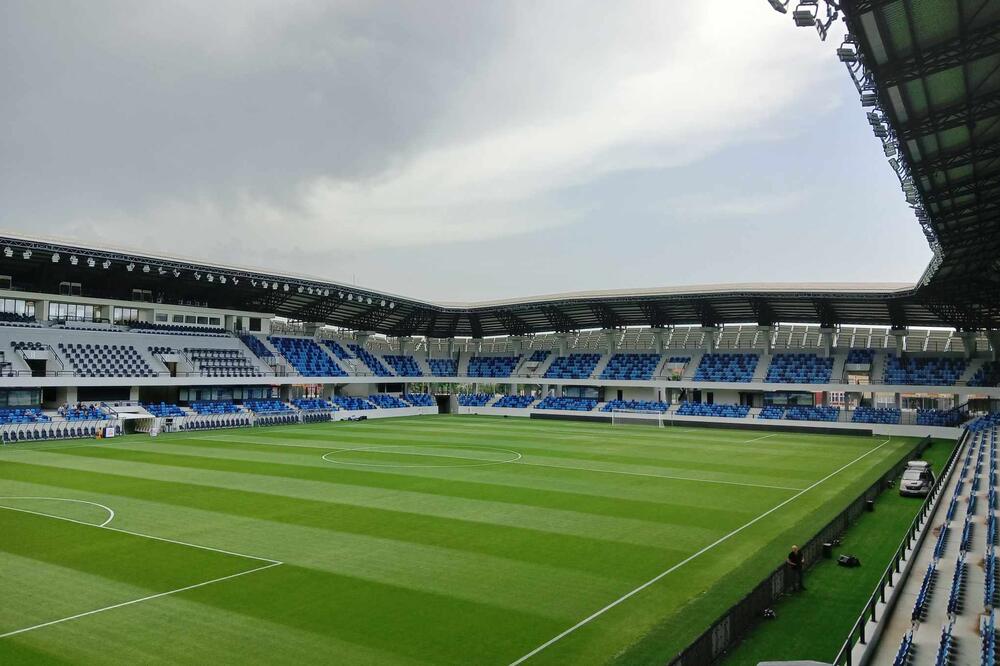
[805, 14]
[274, 286]
[286, 286]
[847, 54]
[869, 99]
[106, 264]
[210, 277]
[73, 260]
[8, 252]
[161, 270]
[26, 254]
[889, 148]
[301, 289]
[253, 283]
[197, 275]
[222, 279]
[264, 284]
[382, 303]
[881, 132]
[369, 300]
[91, 262]
[779, 6]
[326, 292]
[236, 281]
[894, 163]
[350, 297]
[392, 305]
[309, 290]
[340, 293]
[177, 273]
[130, 267]
[55, 258]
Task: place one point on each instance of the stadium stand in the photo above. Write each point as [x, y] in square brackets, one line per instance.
[492, 366]
[705, 409]
[105, 360]
[567, 404]
[351, 402]
[257, 347]
[306, 357]
[539, 355]
[312, 404]
[636, 406]
[176, 329]
[83, 413]
[799, 369]
[443, 367]
[474, 399]
[926, 371]
[369, 359]
[206, 407]
[887, 415]
[515, 401]
[420, 399]
[404, 366]
[22, 415]
[818, 413]
[267, 406]
[860, 356]
[726, 368]
[337, 349]
[163, 409]
[222, 362]
[939, 417]
[772, 412]
[987, 375]
[386, 401]
[574, 366]
[631, 366]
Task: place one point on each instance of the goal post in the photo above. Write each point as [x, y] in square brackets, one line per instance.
[637, 417]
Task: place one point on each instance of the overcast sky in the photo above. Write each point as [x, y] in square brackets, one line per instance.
[450, 150]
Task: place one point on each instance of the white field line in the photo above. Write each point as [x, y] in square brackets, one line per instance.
[381, 449]
[659, 476]
[690, 558]
[757, 439]
[111, 513]
[136, 601]
[145, 536]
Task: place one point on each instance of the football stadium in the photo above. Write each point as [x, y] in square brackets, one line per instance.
[205, 462]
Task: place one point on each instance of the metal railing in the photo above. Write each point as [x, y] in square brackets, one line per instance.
[747, 613]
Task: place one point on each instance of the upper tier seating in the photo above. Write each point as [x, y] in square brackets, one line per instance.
[631, 366]
[474, 399]
[369, 359]
[337, 349]
[22, 415]
[636, 406]
[222, 362]
[887, 415]
[515, 401]
[28, 346]
[386, 401]
[574, 366]
[404, 366]
[214, 407]
[105, 360]
[539, 355]
[939, 417]
[307, 357]
[312, 404]
[492, 366]
[800, 369]
[923, 371]
[772, 412]
[443, 367]
[175, 329]
[820, 413]
[257, 347]
[83, 413]
[860, 356]
[705, 409]
[726, 368]
[420, 399]
[266, 406]
[163, 409]
[567, 404]
[352, 403]
[988, 375]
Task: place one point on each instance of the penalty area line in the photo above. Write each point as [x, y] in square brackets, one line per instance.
[628, 595]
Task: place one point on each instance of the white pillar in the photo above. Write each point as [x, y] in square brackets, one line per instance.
[658, 340]
[710, 333]
[900, 335]
[826, 341]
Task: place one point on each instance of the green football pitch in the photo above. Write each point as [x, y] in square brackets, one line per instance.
[423, 540]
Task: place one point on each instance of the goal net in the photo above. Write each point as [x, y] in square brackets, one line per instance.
[636, 417]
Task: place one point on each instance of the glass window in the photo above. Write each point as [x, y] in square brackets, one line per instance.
[214, 321]
[203, 320]
[178, 319]
[161, 317]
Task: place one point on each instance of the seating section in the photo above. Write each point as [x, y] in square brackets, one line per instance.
[337, 349]
[567, 404]
[306, 357]
[886, 415]
[160, 351]
[175, 329]
[386, 401]
[404, 366]
[492, 366]
[51, 430]
[705, 409]
[22, 415]
[772, 412]
[98, 360]
[369, 359]
[83, 413]
[574, 366]
[636, 406]
[13, 318]
[28, 346]
[988, 375]
[312, 404]
[351, 403]
[631, 366]
[257, 347]
[515, 401]
[163, 409]
[799, 369]
[222, 363]
[726, 368]
[923, 371]
[939, 417]
[860, 356]
[206, 407]
[819, 413]
[443, 367]
[474, 399]
[420, 399]
[266, 406]
[539, 355]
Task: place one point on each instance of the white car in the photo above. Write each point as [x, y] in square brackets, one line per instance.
[918, 479]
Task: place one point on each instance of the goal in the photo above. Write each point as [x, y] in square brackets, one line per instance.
[637, 417]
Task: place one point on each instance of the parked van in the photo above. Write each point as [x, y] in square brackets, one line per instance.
[918, 479]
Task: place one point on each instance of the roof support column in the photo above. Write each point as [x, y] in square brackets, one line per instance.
[994, 338]
[610, 336]
[451, 348]
[658, 340]
[710, 333]
[969, 342]
[517, 344]
[563, 343]
[826, 341]
[900, 335]
[767, 334]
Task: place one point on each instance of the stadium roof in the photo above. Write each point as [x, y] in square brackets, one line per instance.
[935, 67]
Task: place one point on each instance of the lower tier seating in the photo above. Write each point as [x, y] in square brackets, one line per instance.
[214, 407]
[312, 404]
[567, 404]
[420, 399]
[266, 406]
[474, 399]
[636, 406]
[163, 409]
[351, 403]
[515, 401]
[819, 413]
[386, 401]
[705, 409]
[885, 415]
